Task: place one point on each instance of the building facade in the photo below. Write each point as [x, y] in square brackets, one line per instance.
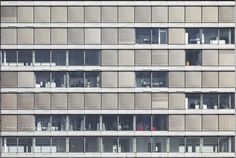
[117, 79]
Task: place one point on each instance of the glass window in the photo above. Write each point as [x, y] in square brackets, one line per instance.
[232, 36]
[210, 101]
[92, 57]
[224, 101]
[42, 122]
[92, 144]
[92, 79]
[58, 123]
[42, 57]
[58, 57]
[125, 144]
[192, 144]
[193, 58]
[210, 36]
[25, 57]
[109, 122]
[159, 144]
[159, 79]
[159, 123]
[143, 79]
[163, 36]
[58, 79]
[224, 144]
[11, 144]
[232, 101]
[11, 57]
[76, 57]
[193, 36]
[143, 144]
[92, 123]
[143, 36]
[76, 79]
[42, 79]
[109, 144]
[225, 36]
[125, 123]
[76, 144]
[177, 144]
[58, 144]
[210, 144]
[25, 144]
[143, 122]
[193, 101]
[76, 122]
[42, 144]
[155, 36]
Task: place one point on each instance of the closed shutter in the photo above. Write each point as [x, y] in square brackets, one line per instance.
[109, 101]
[75, 14]
[143, 57]
[42, 36]
[159, 57]
[210, 57]
[92, 14]
[9, 101]
[226, 79]
[75, 101]
[143, 14]
[109, 79]
[210, 14]
[226, 57]
[8, 36]
[209, 122]
[58, 14]
[75, 36]
[126, 14]
[176, 79]
[176, 36]
[160, 14]
[176, 57]
[143, 101]
[92, 36]
[126, 57]
[176, 123]
[176, 14]
[9, 79]
[92, 101]
[193, 122]
[226, 14]
[126, 79]
[42, 101]
[9, 123]
[25, 36]
[226, 122]
[193, 79]
[8, 14]
[109, 57]
[42, 14]
[159, 101]
[25, 101]
[126, 36]
[193, 14]
[59, 101]
[176, 101]
[109, 14]
[25, 14]
[58, 36]
[25, 79]
[210, 79]
[126, 101]
[109, 36]
[26, 122]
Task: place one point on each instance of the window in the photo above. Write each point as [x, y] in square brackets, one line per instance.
[210, 144]
[92, 57]
[58, 123]
[110, 144]
[151, 36]
[159, 79]
[11, 145]
[143, 79]
[125, 123]
[92, 144]
[76, 144]
[159, 144]
[58, 144]
[42, 144]
[224, 144]
[125, 144]
[25, 144]
[193, 101]
[193, 36]
[58, 58]
[11, 57]
[192, 144]
[42, 123]
[76, 122]
[42, 57]
[76, 57]
[25, 58]
[143, 144]
[76, 79]
[92, 123]
[43, 79]
[210, 36]
[210, 101]
[58, 79]
[159, 123]
[193, 57]
[143, 123]
[109, 122]
[143, 36]
[177, 144]
[92, 79]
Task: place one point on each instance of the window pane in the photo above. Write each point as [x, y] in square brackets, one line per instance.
[25, 57]
[92, 57]
[76, 144]
[210, 144]
[58, 79]
[177, 144]
[210, 101]
[193, 57]
[159, 144]
[42, 144]
[92, 123]
[58, 123]
[125, 123]
[42, 122]
[58, 57]
[143, 144]
[76, 79]
[42, 57]
[109, 144]
[143, 79]
[194, 36]
[126, 144]
[143, 122]
[159, 123]
[11, 144]
[159, 79]
[225, 36]
[155, 36]
[76, 122]
[25, 144]
[109, 122]
[143, 36]
[92, 144]
[10, 57]
[163, 36]
[193, 101]
[58, 144]
[76, 57]
[224, 101]
[42, 79]
[192, 144]
[92, 79]
[224, 144]
[210, 36]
